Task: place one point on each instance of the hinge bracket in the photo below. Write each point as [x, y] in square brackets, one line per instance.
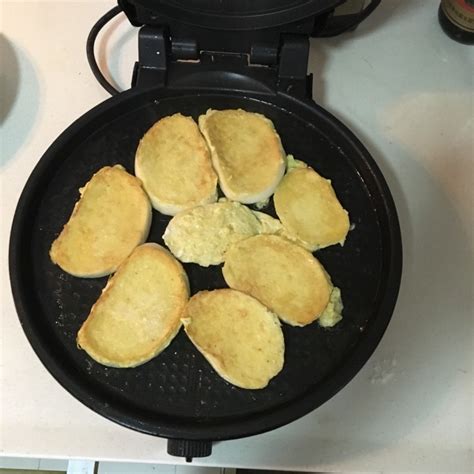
[152, 66]
[163, 61]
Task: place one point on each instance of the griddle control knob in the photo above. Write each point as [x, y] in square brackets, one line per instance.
[189, 449]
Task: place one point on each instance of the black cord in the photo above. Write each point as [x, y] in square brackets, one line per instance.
[90, 49]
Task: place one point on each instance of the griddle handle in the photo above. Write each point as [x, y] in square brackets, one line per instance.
[189, 449]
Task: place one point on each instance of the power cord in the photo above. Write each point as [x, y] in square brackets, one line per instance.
[90, 49]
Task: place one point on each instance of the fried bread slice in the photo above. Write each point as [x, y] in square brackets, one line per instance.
[239, 336]
[139, 311]
[246, 152]
[112, 217]
[308, 208]
[282, 275]
[174, 164]
[203, 234]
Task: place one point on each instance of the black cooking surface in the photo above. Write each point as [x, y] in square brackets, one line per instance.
[179, 384]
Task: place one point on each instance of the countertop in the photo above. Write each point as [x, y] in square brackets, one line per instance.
[406, 90]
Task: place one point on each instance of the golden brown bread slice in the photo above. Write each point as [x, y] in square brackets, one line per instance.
[246, 152]
[308, 207]
[174, 164]
[239, 336]
[282, 275]
[111, 218]
[138, 313]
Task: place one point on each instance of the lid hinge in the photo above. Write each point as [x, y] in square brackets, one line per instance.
[264, 54]
[153, 47]
[184, 49]
[175, 62]
[293, 75]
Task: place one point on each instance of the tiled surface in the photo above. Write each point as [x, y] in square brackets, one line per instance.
[140, 468]
[25, 471]
[42, 466]
[34, 464]
[17, 471]
[53, 464]
[19, 463]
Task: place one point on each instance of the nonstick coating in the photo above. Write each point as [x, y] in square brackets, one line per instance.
[178, 394]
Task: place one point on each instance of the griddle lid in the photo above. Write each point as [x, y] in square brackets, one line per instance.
[225, 15]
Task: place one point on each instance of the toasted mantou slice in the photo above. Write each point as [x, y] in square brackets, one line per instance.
[239, 336]
[174, 164]
[246, 152]
[282, 275]
[203, 234]
[112, 217]
[308, 207]
[138, 313]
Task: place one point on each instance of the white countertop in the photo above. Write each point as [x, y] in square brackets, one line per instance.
[406, 90]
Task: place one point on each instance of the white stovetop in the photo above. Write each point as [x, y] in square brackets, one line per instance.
[406, 90]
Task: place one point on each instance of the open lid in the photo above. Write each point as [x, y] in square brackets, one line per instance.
[225, 15]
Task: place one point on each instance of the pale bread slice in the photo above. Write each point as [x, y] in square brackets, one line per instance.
[203, 234]
[282, 275]
[239, 336]
[112, 217]
[174, 164]
[308, 208]
[246, 152]
[138, 313]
